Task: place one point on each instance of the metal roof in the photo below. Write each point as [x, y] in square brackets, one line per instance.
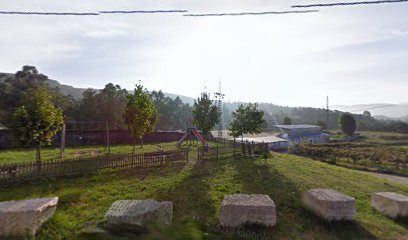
[300, 126]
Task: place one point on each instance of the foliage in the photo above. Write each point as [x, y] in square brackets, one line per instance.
[387, 158]
[287, 121]
[15, 89]
[140, 115]
[174, 114]
[37, 120]
[107, 104]
[205, 113]
[347, 124]
[321, 124]
[247, 119]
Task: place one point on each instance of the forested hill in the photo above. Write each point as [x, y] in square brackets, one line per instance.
[77, 93]
[175, 110]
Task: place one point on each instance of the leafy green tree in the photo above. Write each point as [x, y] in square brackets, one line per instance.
[37, 120]
[106, 105]
[287, 121]
[205, 113]
[246, 119]
[367, 114]
[140, 114]
[347, 124]
[321, 124]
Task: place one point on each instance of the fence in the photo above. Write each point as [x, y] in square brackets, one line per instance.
[207, 153]
[58, 168]
[250, 150]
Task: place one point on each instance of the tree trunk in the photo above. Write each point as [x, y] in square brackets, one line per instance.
[134, 146]
[38, 158]
[38, 153]
[242, 145]
[233, 153]
[141, 142]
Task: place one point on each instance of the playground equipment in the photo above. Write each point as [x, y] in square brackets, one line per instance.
[192, 131]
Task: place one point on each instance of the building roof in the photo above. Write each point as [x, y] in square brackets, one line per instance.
[265, 139]
[300, 126]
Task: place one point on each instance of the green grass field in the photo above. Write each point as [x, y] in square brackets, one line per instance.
[28, 155]
[198, 192]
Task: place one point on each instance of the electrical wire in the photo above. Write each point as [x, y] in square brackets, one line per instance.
[49, 13]
[247, 13]
[347, 3]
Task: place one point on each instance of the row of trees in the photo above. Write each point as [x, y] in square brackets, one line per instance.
[36, 112]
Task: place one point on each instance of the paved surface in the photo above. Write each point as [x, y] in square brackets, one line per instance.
[392, 178]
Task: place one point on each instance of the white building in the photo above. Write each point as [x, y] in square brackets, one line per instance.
[296, 134]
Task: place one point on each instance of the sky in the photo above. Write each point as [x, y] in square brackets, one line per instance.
[353, 54]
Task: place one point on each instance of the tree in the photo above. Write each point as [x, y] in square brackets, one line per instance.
[321, 124]
[37, 120]
[367, 113]
[287, 121]
[140, 114]
[205, 113]
[246, 119]
[106, 105]
[347, 124]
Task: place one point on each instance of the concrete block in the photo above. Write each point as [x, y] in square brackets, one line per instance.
[138, 211]
[329, 204]
[25, 217]
[240, 209]
[390, 203]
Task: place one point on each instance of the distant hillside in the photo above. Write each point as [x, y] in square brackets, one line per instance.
[76, 93]
[379, 110]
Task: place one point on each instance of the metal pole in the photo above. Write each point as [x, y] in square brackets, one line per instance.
[62, 143]
[107, 137]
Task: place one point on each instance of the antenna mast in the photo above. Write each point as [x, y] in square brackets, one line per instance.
[219, 96]
[327, 112]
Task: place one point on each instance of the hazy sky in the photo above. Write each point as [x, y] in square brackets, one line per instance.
[353, 54]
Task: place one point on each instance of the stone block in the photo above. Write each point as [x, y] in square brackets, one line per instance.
[25, 217]
[329, 204]
[390, 203]
[239, 209]
[138, 211]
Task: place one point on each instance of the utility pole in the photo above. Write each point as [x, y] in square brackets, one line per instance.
[327, 112]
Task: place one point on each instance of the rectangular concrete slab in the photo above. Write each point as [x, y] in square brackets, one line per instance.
[329, 204]
[239, 209]
[390, 203]
[25, 217]
[138, 211]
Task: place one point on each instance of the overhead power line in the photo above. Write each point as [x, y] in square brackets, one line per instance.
[366, 109]
[49, 13]
[347, 3]
[142, 11]
[90, 13]
[247, 13]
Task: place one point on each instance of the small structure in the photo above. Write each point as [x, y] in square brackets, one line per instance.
[192, 132]
[390, 203]
[240, 209]
[297, 134]
[329, 204]
[136, 212]
[25, 217]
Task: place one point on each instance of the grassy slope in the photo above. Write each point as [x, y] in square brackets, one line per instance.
[198, 192]
[27, 155]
